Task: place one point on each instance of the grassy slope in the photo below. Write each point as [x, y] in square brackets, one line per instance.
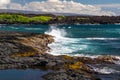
[23, 19]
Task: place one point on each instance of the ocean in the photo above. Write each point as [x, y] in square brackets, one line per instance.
[79, 40]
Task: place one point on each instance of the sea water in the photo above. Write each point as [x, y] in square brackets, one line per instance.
[77, 39]
[25, 74]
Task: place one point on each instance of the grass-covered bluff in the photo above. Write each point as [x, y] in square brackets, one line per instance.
[23, 19]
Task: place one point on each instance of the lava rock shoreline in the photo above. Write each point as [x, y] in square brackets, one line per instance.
[19, 50]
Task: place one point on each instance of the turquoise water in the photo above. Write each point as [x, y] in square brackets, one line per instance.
[78, 39]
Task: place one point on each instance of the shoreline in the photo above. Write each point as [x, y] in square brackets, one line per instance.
[29, 50]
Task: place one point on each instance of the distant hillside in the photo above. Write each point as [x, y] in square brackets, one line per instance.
[48, 18]
[37, 12]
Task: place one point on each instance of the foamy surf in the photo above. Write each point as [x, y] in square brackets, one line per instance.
[105, 70]
[62, 44]
[102, 38]
[70, 46]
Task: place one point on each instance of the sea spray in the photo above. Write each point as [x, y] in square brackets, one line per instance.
[105, 70]
[56, 32]
[63, 45]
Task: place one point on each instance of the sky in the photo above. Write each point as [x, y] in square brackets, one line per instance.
[81, 1]
[91, 7]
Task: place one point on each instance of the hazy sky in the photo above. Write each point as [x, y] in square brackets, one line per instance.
[94, 7]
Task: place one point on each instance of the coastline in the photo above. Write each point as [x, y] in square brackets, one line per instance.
[29, 50]
[12, 18]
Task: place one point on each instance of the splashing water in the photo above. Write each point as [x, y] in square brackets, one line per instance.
[56, 32]
[62, 44]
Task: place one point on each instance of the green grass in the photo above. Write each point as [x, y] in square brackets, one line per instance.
[82, 18]
[41, 18]
[61, 17]
[23, 19]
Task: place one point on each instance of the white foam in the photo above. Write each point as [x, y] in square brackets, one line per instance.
[33, 28]
[106, 70]
[62, 44]
[69, 27]
[56, 32]
[118, 61]
[90, 56]
[102, 38]
[117, 23]
[14, 28]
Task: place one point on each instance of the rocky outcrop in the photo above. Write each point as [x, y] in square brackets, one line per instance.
[17, 49]
[68, 75]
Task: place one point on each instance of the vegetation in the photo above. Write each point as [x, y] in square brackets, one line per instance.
[41, 19]
[82, 18]
[61, 17]
[23, 19]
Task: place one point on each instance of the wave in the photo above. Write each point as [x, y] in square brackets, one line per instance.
[96, 38]
[62, 44]
[32, 28]
[118, 61]
[116, 23]
[14, 27]
[106, 70]
[72, 46]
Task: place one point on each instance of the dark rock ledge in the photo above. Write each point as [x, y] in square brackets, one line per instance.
[29, 50]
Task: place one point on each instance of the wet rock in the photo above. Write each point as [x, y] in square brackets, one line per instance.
[51, 64]
[23, 48]
[42, 63]
[66, 75]
[107, 59]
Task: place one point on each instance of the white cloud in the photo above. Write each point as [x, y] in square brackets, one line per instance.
[15, 6]
[53, 0]
[4, 2]
[58, 6]
[109, 5]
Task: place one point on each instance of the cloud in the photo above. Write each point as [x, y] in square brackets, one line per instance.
[59, 6]
[4, 2]
[109, 5]
[53, 0]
